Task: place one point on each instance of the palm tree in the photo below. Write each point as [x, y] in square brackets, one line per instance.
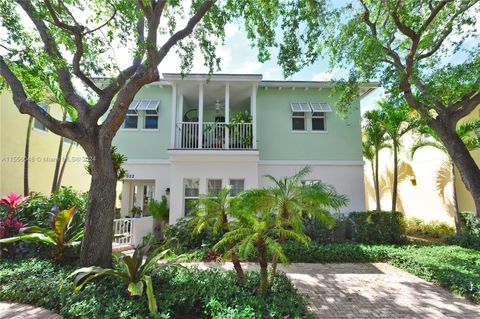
[468, 133]
[257, 233]
[213, 211]
[291, 199]
[375, 139]
[26, 187]
[397, 120]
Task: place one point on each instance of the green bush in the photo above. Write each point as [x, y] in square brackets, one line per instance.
[377, 227]
[433, 229]
[180, 292]
[180, 237]
[322, 233]
[464, 240]
[470, 223]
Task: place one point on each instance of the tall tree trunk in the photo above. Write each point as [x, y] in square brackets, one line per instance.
[26, 186]
[97, 242]
[262, 260]
[456, 217]
[395, 176]
[376, 182]
[463, 160]
[59, 159]
[64, 164]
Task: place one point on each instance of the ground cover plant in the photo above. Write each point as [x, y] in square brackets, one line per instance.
[181, 292]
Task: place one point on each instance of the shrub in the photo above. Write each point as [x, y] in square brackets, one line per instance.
[323, 233]
[377, 227]
[180, 237]
[470, 223]
[181, 292]
[433, 229]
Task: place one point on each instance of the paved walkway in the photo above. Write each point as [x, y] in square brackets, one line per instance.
[371, 291]
[21, 311]
[334, 291]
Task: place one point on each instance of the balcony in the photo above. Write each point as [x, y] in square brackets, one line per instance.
[215, 136]
[213, 113]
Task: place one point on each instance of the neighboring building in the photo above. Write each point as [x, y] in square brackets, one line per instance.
[188, 136]
[43, 152]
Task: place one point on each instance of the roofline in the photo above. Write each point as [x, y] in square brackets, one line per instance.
[328, 84]
[211, 77]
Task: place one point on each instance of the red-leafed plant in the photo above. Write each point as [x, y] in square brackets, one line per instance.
[13, 202]
[10, 227]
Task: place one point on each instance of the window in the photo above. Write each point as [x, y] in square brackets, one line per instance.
[237, 185]
[191, 191]
[318, 121]
[151, 119]
[36, 123]
[298, 121]
[214, 186]
[131, 119]
[309, 182]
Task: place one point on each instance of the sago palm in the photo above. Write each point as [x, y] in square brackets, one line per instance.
[291, 198]
[257, 234]
[212, 211]
[469, 134]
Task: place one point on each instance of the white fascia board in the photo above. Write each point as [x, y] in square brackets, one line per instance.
[148, 162]
[311, 163]
[172, 77]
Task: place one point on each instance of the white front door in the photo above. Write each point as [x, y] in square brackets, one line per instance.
[142, 193]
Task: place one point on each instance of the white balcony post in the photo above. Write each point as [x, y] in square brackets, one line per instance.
[227, 115]
[174, 116]
[180, 109]
[200, 116]
[254, 115]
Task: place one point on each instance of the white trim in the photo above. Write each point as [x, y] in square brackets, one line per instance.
[130, 129]
[227, 115]
[254, 115]
[212, 77]
[302, 163]
[174, 115]
[201, 152]
[148, 161]
[200, 115]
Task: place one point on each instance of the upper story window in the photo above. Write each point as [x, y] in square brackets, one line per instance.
[191, 191]
[147, 109]
[214, 186]
[310, 182]
[318, 121]
[298, 121]
[36, 123]
[316, 111]
[238, 186]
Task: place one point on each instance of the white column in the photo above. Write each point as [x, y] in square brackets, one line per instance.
[200, 115]
[174, 116]
[254, 114]
[180, 109]
[227, 115]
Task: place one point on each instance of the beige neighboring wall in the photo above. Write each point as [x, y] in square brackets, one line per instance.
[417, 192]
[465, 199]
[43, 152]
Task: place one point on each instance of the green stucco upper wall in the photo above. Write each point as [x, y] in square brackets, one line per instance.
[149, 144]
[276, 141]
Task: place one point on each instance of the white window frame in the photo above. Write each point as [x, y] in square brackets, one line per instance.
[189, 197]
[296, 116]
[153, 114]
[214, 180]
[311, 182]
[323, 115]
[131, 113]
[231, 185]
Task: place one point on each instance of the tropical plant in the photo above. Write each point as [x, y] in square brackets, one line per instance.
[397, 120]
[291, 198]
[212, 211]
[160, 212]
[374, 140]
[468, 133]
[13, 202]
[257, 233]
[61, 237]
[118, 160]
[133, 270]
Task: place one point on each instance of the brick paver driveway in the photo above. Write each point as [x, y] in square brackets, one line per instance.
[371, 291]
[21, 311]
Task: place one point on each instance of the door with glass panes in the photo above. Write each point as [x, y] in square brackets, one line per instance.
[142, 194]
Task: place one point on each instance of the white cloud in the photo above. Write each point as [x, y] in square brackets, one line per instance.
[323, 76]
[249, 67]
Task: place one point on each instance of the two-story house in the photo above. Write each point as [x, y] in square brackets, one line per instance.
[186, 136]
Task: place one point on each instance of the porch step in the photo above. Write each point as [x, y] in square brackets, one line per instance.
[118, 248]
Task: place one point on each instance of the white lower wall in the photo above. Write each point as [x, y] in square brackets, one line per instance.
[141, 227]
[346, 177]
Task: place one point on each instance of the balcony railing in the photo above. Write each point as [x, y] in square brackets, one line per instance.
[214, 135]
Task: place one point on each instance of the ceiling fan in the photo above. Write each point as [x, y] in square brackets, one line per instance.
[219, 106]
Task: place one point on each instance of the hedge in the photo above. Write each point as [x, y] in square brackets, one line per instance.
[377, 227]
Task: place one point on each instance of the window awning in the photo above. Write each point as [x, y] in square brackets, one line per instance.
[144, 105]
[300, 107]
[320, 107]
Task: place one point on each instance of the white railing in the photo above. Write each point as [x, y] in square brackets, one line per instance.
[122, 231]
[214, 135]
[186, 135]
